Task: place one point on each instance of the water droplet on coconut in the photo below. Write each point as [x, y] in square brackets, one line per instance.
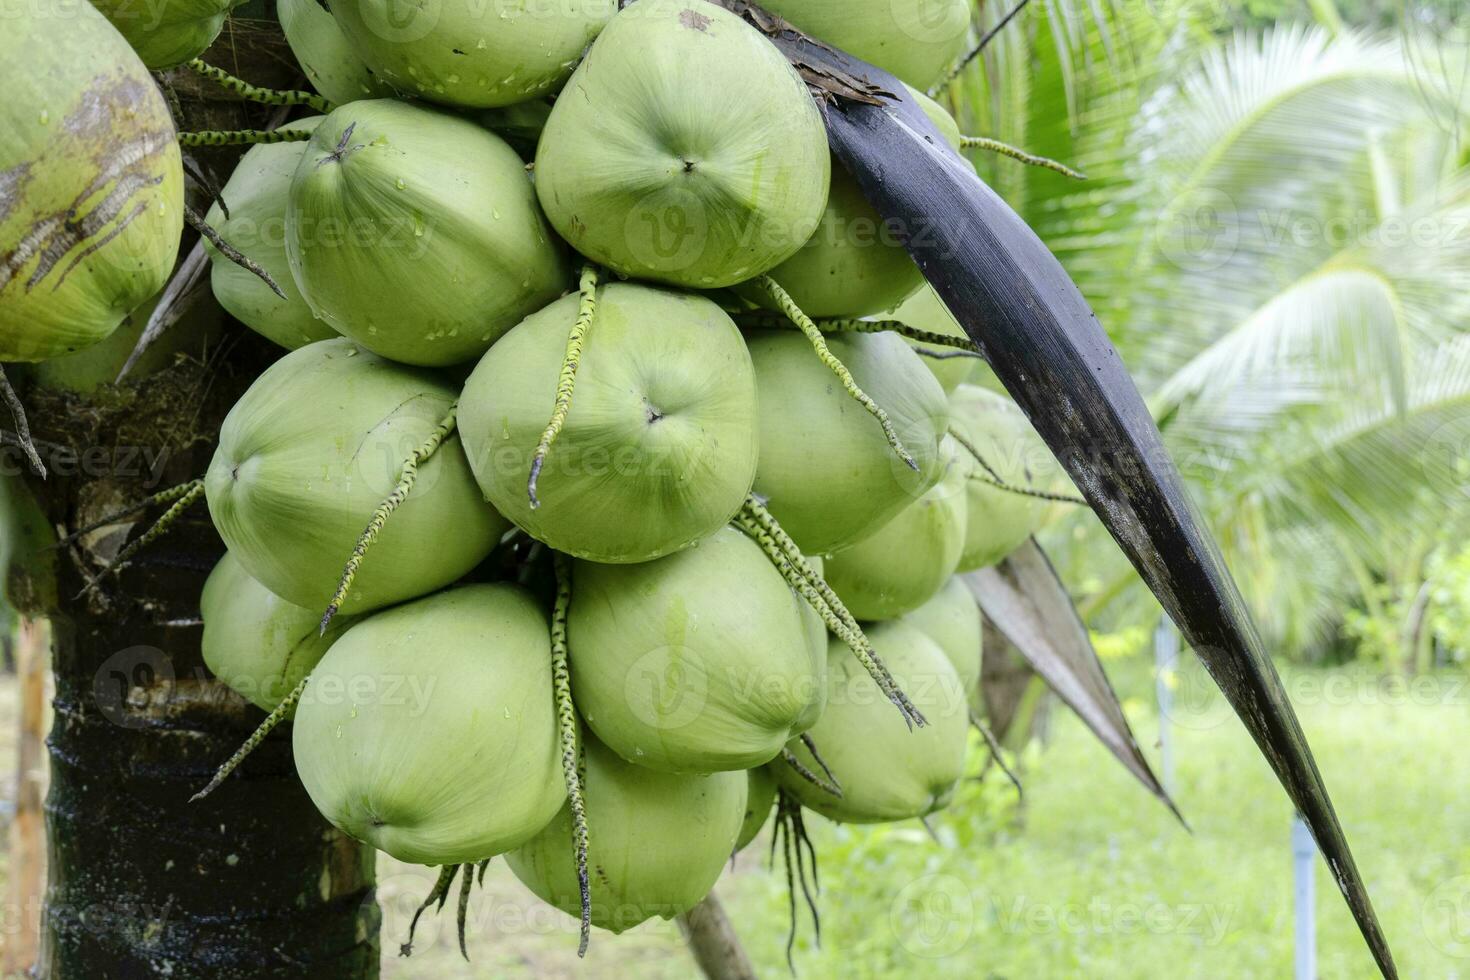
[399, 183]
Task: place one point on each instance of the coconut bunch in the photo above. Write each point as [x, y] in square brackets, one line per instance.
[611, 493]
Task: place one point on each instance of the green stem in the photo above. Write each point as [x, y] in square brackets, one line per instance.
[1016, 153]
[385, 510]
[814, 335]
[242, 137]
[566, 715]
[566, 384]
[159, 529]
[254, 93]
[256, 737]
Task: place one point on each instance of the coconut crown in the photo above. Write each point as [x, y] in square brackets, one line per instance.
[663, 173]
[256, 195]
[674, 676]
[91, 183]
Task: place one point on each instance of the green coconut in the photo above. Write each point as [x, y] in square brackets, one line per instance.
[952, 619]
[469, 53]
[698, 662]
[429, 730]
[256, 196]
[828, 472]
[898, 568]
[334, 68]
[886, 771]
[256, 642]
[309, 452]
[659, 447]
[416, 233]
[1000, 520]
[924, 310]
[855, 263]
[91, 183]
[760, 798]
[657, 841]
[685, 149]
[917, 40]
[167, 32]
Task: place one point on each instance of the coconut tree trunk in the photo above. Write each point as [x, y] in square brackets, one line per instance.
[250, 882]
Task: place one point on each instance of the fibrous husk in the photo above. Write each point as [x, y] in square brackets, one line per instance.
[685, 149]
[256, 195]
[899, 567]
[91, 183]
[429, 730]
[699, 662]
[826, 469]
[310, 451]
[886, 770]
[917, 40]
[659, 446]
[469, 53]
[417, 234]
[167, 32]
[256, 642]
[657, 841]
[325, 55]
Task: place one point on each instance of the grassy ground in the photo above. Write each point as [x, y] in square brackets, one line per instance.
[1089, 877]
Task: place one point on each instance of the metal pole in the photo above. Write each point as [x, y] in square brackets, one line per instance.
[1304, 862]
[1166, 662]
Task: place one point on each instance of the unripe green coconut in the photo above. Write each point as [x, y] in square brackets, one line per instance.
[429, 730]
[309, 452]
[334, 68]
[167, 32]
[685, 149]
[469, 53]
[855, 263]
[1000, 520]
[256, 642]
[924, 310]
[952, 619]
[91, 183]
[828, 472]
[917, 40]
[659, 447]
[886, 771]
[760, 798]
[416, 233]
[657, 842]
[256, 196]
[698, 662]
[898, 568]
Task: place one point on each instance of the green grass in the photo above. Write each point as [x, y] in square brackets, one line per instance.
[1090, 877]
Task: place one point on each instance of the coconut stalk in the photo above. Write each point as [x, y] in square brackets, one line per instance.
[1019, 306]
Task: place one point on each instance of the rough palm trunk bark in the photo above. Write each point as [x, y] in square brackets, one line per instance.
[250, 882]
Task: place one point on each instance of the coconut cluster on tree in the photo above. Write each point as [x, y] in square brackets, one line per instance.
[595, 420]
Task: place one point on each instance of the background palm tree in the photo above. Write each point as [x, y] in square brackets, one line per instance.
[1276, 233]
